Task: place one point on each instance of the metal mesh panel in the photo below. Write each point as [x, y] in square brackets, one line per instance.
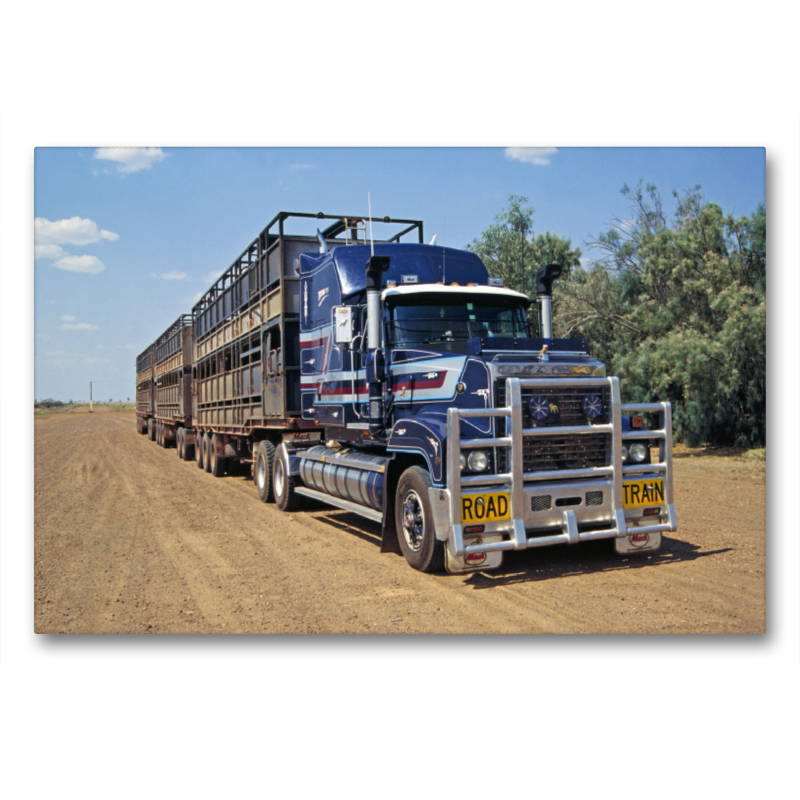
[594, 498]
[541, 502]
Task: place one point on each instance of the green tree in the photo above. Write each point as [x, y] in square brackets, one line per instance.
[677, 309]
[511, 251]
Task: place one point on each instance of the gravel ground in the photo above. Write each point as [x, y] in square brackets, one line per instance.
[129, 539]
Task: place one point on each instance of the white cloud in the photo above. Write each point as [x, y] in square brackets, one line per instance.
[194, 299]
[51, 251]
[211, 277]
[77, 326]
[74, 230]
[90, 264]
[68, 319]
[131, 159]
[531, 155]
[172, 276]
[302, 166]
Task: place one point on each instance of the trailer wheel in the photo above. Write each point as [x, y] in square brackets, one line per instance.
[187, 450]
[262, 472]
[158, 434]
[286, 497]
[207, 452]
[179, 439]
[151, 429]
[414, 522]
[198, 449]
[216, 464]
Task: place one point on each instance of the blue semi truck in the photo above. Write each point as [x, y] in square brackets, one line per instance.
[400, 381]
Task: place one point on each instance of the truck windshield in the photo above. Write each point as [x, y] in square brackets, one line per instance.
[454, 319]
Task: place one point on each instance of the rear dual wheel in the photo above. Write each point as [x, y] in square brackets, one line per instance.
[216, 464]
[262, 472]
[198, 449]
[286, 498]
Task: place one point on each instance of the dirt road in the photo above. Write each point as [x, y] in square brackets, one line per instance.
[129, 539]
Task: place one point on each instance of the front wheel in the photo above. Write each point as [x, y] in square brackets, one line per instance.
[414, 521]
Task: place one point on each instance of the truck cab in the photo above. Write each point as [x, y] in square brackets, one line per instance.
[446, 418]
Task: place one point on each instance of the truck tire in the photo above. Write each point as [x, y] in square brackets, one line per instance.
[262, 471]
[207, 452]
[179, 440]
[188, 449]
[198, 449]
[151, 429]
[286, 498]
[414, 522]
[158, 434]
[216, 464]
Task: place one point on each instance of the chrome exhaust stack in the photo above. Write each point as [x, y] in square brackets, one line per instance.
[544, 293]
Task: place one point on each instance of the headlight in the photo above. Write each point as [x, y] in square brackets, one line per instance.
[478, 461]
[462, 461]
[638, 452]
[624, 452]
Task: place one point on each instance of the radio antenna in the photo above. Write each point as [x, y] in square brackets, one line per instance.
[444, 254]
[371, 240]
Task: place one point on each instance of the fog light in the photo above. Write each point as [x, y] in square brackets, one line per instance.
[478, 461]
[462, 461]
[624, 453]
[638, 452]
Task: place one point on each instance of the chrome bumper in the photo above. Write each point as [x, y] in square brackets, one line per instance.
[561, 524]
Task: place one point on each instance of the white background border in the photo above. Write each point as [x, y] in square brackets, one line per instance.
[389, 717]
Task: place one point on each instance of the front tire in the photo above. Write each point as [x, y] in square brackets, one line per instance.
[286, 498]
[262, 472]
[414, 522]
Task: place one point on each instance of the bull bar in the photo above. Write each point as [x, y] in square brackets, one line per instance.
[616, 471]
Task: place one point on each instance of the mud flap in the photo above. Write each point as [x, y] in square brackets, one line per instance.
[492, 560]
[637, 543]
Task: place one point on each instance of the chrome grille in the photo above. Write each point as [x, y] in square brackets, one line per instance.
[568, 400]
[544, 453]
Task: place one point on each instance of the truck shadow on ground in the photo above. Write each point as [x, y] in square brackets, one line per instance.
[588, 558]
[538, 564]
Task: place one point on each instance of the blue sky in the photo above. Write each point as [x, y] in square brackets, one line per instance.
[127, 238]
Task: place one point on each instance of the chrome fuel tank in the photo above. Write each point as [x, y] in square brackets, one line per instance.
[346, 474]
